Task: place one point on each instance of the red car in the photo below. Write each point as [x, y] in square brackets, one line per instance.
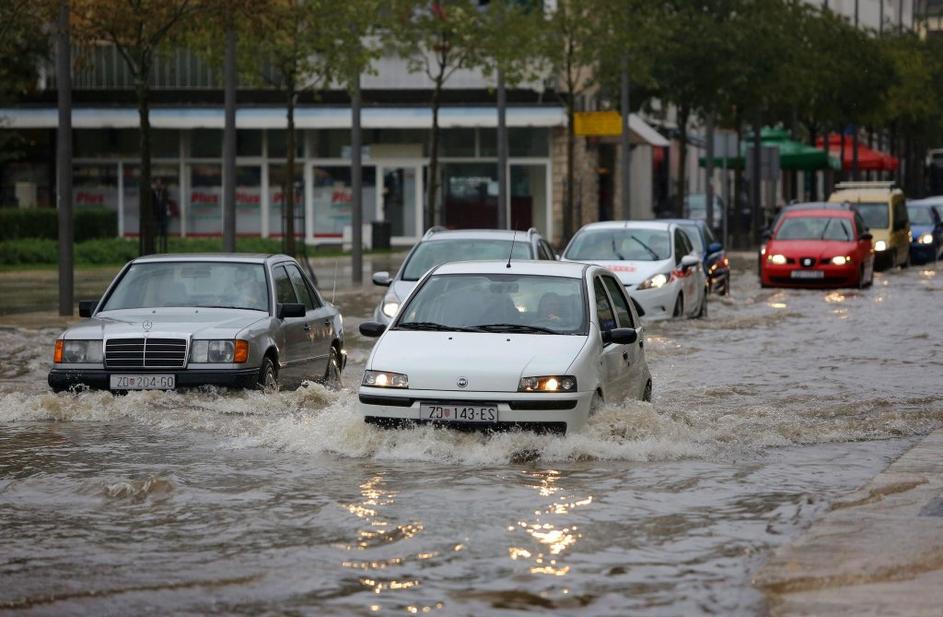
[818, 248]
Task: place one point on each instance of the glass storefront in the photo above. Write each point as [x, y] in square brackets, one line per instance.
[332, 198]
[169, 178]
[249, 200]
[470, 195]
[95, 186]
[278, 187]
[205, 209]
[399, 200]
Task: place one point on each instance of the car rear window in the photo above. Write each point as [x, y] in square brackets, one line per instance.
[434, 253]
[815, 228]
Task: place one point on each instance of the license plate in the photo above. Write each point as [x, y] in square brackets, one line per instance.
[143, 382]
[807, 274]
[459, 413]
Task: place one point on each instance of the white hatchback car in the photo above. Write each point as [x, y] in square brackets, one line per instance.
[655, 260]
[496, 344]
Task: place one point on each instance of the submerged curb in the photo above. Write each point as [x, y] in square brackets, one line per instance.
[878, 551]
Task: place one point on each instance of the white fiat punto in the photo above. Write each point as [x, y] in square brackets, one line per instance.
[497, 344]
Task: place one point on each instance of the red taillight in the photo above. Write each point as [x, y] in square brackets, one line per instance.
[57, 355]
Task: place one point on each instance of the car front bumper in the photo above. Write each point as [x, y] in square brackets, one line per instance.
[923, 252]
[62, 378]
[832, 276]
[547, 412]
[657, 303]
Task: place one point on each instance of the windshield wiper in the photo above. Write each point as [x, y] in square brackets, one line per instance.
[222, 306]
[432, 327]
[516, 328]
[647, 248]
[615, 251]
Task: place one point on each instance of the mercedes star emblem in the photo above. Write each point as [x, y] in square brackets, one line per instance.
[462, 382]
[147, 325]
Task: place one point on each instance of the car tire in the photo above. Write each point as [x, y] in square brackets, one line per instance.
[679, 306]
[861, 282]
[268, 376]
[647, 392]
[702, 310]
[596, 404]
[332, 373]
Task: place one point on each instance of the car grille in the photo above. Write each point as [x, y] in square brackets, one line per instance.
[146, 353]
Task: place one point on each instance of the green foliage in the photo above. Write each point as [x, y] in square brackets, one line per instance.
[17, 223]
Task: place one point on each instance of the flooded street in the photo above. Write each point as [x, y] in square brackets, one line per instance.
[250, 504]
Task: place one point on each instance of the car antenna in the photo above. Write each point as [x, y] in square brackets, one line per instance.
[334, 286]
[513, 239]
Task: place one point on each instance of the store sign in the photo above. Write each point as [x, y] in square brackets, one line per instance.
[597, 123]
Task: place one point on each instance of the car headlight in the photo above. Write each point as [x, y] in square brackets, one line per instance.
[78, 352]
[880, 245]
[548, 383]
[219, 352]
[654, 282]
[926, 239]
[841, 260]
[778, 260]
[385, 379]
[390, 305]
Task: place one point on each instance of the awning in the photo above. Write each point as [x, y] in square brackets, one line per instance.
[793, 155]
[869, 159]
[306, 117]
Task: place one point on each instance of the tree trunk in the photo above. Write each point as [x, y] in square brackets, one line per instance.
[356, 186]
[569, 208]
[625, 145]
[432, 211]
[288, 192]
[503, 205]
[814, 142]
[64, 160]
[709, 172]
[756, 180]
[681, 187]
[146, 225]
[229, 143]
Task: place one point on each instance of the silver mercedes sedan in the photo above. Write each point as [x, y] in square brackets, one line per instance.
[177, 321]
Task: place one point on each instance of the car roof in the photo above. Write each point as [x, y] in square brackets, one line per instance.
[477, 234]
[833, 212]
[862, 194]
[926, 202]
[700, 223]
[210, 257]
[818, 205]
[566, 269]
[655, 224]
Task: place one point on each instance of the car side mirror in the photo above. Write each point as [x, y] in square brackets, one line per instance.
[714, 247]
[372, 329]
[620, 336]
[86, 307]
[291, 309]
[689, 261]
[382, 279]
[866, 236]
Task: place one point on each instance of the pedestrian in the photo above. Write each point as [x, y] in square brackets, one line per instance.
[161, 212]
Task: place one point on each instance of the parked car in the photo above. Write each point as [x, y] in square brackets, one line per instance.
[926, 225]
[654, 260]
[713, 256]
[439, 246]
[819, 247]
[695, 207]
[174, 321]
[542, 345]
[883, 208]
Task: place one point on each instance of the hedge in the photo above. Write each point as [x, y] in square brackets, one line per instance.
[43, 223]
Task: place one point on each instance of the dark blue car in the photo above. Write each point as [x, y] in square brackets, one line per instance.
[716, 264]
[926, 227]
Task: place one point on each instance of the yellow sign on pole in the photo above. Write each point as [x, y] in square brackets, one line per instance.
[597, 123]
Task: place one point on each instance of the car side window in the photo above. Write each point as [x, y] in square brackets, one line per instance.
[709, 235]
[301, 290]
[623, 313]
[545, 252]
[900, 215]
[284, 291]
[859, 225]
[679, 247]
[604, 314]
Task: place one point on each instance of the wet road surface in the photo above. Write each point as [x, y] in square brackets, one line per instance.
[240, 503]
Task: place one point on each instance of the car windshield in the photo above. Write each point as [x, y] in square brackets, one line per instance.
[434, 253]
[620, 244]
[694, 234]
[508, 303]
[919, 215]
[191, 283]
[815, 228]
[874, 215]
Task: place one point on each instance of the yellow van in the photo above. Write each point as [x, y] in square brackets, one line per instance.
[884, 210]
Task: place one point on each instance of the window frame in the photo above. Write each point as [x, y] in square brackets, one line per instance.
[623, 296]
[275, 270]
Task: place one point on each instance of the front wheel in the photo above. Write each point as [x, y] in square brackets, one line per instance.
[332, 373]
[647, 393]
[702, 310]
[268, 376]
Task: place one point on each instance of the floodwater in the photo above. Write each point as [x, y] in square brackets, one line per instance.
[247, 504]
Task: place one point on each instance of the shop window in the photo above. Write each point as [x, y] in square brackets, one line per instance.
[277, 140]
[249, 143]
[204, 210]
[206, 143]
[457, 142]
[278, 176]
[249, 199]
[169, 178]
[331, 143]
[332, 199]
[527, 141]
